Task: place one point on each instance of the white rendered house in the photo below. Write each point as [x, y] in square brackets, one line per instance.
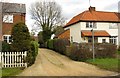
[103, 24]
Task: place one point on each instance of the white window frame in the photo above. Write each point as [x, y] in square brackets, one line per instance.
[8, 38]
[8, 18]
[113, 39]
[91, 25]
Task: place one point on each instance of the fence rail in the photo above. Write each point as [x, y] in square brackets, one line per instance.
[13, 59]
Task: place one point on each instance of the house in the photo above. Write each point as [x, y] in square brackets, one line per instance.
[10, 14]
[104, 26]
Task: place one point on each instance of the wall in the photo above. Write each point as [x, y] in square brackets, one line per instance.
[7, 27]
[75, 32]
[102, 26]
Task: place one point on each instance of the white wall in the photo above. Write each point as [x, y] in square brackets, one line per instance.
[75, 32]
[100, 39]
[102, 26]
[119, 33]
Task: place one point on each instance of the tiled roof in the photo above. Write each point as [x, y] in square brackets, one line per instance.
[100, 33]
[13, 7]
[64, 35]
[98, 16]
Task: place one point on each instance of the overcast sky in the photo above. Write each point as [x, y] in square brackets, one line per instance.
[70, 8]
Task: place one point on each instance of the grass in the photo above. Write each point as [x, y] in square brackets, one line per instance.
[106, 63]
[119, 52]
[11, 71]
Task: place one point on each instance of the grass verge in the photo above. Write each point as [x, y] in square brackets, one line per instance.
[11, 71]
[106, 63]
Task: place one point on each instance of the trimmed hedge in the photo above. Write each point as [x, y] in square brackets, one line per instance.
[32, 53]
[83, 51]
[59, 45]
[50, 44]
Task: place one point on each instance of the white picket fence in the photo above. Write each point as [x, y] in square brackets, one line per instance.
[13, 59]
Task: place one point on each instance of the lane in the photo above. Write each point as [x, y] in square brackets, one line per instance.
[50, 63]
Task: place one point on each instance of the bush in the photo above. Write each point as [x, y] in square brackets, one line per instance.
[5, 47]
[105, 50]
[60, 45]
[83, 51]
[50, 44]
[32, 53]
[40, 40]
[119, 48]
[21, 37]
[78, 53]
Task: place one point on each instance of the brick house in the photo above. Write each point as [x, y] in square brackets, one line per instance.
[104, 25]
[10, 14]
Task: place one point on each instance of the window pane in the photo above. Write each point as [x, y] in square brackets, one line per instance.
[5, 18]
[8, 18]
[5, 39]
[87, 24]
[10, 39]
[89, 39]
[103, 40]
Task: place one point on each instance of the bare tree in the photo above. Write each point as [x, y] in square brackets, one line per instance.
[47, 15]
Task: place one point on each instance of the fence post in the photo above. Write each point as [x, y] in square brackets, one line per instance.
[25, 58]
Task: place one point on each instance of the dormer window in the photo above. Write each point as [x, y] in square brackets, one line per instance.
[8, 18]
[91, 25]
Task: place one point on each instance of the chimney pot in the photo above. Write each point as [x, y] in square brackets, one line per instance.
[92, 8]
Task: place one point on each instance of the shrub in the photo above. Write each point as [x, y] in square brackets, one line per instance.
[83, 51]
[5, 47]
[21, 37]
[119, 48]
[78, 53]
[32, 53]
[40, 40]
[105, 50]
[50, 44]
[60, 45]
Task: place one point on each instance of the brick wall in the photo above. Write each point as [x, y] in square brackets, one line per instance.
[7, 27]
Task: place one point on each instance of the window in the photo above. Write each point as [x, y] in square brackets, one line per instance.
[103, 40]
[113, 40]
[91, 24]
[89, 39]
[71, 39]
[8, 18]
[113, 26]
[7, 38]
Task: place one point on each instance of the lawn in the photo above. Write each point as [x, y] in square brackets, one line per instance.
[11, 71]
[107, 63]
[118, 52]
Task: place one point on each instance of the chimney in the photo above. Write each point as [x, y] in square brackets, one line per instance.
[92, 8]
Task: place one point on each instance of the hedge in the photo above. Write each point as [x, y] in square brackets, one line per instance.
[83, 51]
[50, 44]
[59, 45]
[32, 53]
